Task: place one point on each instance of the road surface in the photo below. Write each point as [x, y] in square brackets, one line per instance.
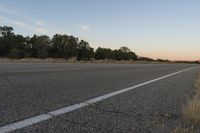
[136, 97]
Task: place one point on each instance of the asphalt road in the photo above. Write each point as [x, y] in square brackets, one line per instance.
[31, 89]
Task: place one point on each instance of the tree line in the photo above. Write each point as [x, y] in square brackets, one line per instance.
[59, 46]
[62, 46]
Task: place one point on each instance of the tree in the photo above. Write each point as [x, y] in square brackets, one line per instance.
[145, 59]
[40, 45]
[6, 40]
[125, 49]
[71, 48]
[85, 52]
[64, 46]
[103, 53]
[60, 46]
[124, 53]
[18, 46]
[6, 31]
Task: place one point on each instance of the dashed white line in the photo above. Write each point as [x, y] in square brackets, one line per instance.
[43, 117]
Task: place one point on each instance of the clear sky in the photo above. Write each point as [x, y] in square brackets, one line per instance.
[167, 29]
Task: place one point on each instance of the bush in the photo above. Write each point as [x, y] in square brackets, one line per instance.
[15, 53]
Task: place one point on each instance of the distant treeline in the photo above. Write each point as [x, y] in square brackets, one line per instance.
[59, 46]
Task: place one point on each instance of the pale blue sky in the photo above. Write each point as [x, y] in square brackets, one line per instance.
[167, 29]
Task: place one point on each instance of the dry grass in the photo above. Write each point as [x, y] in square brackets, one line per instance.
[191, 110]
[74, 60]
[183, 130]
[191, 113]
[52, 60]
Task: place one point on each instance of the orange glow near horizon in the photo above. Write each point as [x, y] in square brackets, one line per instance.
[171, 50]
[171, 55]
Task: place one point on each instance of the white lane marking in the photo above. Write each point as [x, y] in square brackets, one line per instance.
[24, 123]
[67, 109]
[49, 115]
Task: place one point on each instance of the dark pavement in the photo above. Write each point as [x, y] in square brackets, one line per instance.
[29, 89]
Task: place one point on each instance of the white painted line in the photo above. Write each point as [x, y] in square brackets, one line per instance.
[67, 109]
[24, 123]
[49, 115]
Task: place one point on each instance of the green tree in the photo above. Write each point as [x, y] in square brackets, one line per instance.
[85, 52]
[59, 43]
[6, 40]
[64, 46]
[61, 46]
[125, 49]
[40, 45]
[124, 53]
[71, 48]
[6, 31]
[18, 46]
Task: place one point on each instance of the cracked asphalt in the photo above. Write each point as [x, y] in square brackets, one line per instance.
[29, 89]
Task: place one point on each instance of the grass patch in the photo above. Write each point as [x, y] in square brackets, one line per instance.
[191, 110]
[191, 113]
[183, 130]
[74, 60]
